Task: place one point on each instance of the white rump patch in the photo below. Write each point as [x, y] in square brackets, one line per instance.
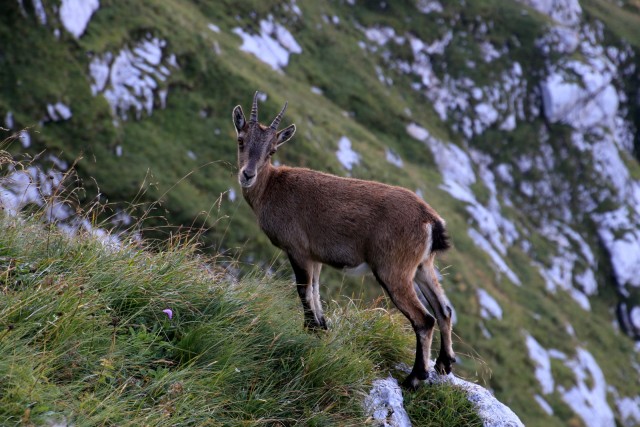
[429, 241]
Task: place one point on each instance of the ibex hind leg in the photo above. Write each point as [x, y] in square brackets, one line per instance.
[403, 295]
[428, 283]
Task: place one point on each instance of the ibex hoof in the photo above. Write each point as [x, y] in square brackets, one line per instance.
[443, 364]
[412, 382]
[316, 326]
[322, 324]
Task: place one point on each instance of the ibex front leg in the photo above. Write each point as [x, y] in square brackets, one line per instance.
[303, 270]
[317, 304]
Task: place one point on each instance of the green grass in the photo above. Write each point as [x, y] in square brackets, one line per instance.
[622, 19]
[83, 338]
[441, 406]
[146, 364]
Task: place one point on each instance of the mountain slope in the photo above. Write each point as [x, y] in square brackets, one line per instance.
[516, 122]
[97, 335]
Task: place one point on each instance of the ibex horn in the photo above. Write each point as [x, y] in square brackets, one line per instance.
[276, 121]
[254, 109]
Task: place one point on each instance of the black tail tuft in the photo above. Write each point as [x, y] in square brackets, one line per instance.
[439, 237]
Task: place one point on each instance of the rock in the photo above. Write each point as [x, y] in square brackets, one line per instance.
[384, 404]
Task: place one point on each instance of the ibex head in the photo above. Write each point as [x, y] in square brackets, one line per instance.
[256, 142]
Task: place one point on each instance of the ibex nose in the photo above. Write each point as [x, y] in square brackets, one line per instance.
[248, 175]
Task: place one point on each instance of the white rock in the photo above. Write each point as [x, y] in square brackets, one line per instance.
[99, 69]
[8, 120]
[75, 15]
[33, 186]
[25, 138]
[609, 165]
[542, 362]
[346, 155]
[543, 404]
[393, 158]
[561, 271]
[122, 218]
[59, 111]
[286, 39]
[500, 263]
[595, 102]
[417, 132]
[429, 6]
[384, 404]
[380, 35]
[57, 162]
[559, 39]
[17, 190]
[634, 316]
[456, 168]
[492, 412]
[623, 251]
[272, 46]
[489, 307]
[41, 14]
[629, 409]
[588, 398]
[509, 123]
[565, 12]
[489, 52]
[486, 113]
[133, 79]
[294, 8]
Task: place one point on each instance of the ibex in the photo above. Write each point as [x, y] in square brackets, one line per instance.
[317, 218]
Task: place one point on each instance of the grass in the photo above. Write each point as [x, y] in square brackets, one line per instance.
[84, 340]
[146, 364]
[441, 406]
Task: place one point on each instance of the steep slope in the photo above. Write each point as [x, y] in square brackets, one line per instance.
[517, 121]
[97, 335]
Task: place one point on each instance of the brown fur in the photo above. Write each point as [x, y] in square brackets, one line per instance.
[317, 218]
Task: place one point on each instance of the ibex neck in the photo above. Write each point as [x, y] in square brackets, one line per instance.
[253, 195]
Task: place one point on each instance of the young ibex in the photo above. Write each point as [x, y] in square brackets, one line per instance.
[317, 218]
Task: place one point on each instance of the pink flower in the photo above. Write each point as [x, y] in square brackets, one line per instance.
[168, 312]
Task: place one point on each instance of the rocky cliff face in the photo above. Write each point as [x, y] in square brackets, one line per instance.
[518, 121]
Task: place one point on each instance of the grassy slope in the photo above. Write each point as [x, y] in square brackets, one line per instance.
[83, 338]
[155, 149]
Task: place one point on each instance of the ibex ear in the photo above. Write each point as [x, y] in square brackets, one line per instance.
[284, 135]
[239, 120]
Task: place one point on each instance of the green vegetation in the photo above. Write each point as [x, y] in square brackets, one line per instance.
[441, 406]
[83, 330]
[84, 338]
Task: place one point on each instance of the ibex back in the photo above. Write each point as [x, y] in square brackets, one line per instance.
[317, 218]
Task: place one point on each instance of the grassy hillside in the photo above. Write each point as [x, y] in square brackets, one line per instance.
[172, 167]
[84, 340]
